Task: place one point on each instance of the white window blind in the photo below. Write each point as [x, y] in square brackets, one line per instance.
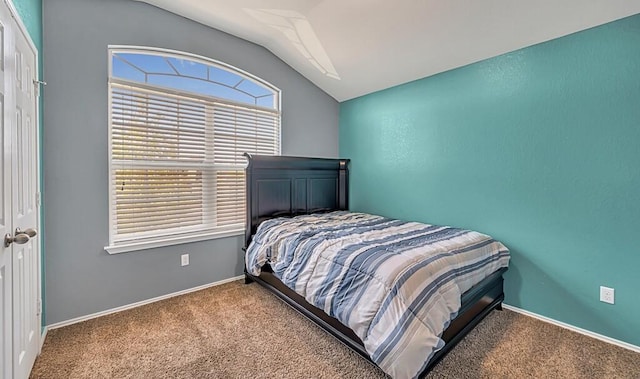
[177, 164]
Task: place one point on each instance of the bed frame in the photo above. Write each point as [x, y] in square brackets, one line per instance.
[287, 186]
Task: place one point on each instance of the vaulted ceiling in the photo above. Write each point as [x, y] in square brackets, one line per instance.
[351, 48]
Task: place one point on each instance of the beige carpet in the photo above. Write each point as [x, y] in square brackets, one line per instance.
[242, 331]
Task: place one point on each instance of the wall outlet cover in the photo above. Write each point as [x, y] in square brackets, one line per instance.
[607, 295]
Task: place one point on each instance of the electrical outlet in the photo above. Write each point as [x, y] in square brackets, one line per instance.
[184, 260]
[607, 295]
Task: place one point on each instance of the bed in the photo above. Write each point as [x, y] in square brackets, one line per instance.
[280, 189]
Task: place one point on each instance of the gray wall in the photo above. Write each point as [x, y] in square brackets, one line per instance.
[81, 278]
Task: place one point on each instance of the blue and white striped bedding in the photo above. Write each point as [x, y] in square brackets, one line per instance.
[396, 284]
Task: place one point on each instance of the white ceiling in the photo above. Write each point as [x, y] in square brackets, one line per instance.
[353, 47]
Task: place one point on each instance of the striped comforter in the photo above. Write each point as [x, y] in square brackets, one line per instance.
[396, 284]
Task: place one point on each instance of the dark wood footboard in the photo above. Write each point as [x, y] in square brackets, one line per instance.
[477, 303]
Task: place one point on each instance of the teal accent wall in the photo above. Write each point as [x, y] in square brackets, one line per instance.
[539, 148]
[30, 12]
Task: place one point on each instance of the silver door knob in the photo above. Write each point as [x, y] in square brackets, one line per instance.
[20, 239]
[30, 232]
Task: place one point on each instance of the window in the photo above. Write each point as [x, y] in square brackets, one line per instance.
[179, 125]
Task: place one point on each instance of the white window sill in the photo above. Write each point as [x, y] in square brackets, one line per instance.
[126, 247]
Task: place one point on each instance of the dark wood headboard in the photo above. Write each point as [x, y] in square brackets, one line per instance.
[288, 186]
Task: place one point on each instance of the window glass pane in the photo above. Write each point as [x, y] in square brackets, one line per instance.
[224, 77]
[231, 197]
[253, 89]
[126, 71]
[148, 63]
[157, 199]
[189, 68]
[265, 101]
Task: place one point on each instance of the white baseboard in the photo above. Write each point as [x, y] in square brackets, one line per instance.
[42, 337]
[561, 324]
[138, 304]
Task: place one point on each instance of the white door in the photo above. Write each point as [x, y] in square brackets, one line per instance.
[26, 321]
[20, 247]
[6, 305]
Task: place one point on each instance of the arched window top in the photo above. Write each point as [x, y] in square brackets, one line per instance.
[192, 74]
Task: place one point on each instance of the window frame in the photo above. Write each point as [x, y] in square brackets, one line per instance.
[191, 233]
